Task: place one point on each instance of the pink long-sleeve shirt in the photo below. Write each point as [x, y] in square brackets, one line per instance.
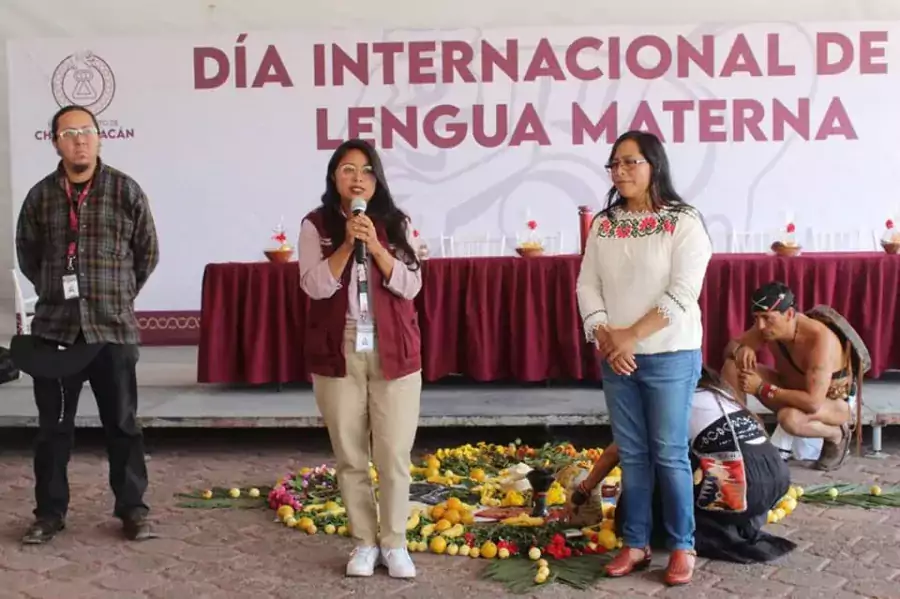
[318, 282]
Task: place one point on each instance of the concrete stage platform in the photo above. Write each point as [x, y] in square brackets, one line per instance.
[171, 398]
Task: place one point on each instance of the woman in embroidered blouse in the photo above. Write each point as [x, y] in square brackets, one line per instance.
[643, 268]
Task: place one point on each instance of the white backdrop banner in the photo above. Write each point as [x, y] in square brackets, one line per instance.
[480, 130]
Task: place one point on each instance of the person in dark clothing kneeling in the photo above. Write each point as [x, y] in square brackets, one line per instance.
[738, 474]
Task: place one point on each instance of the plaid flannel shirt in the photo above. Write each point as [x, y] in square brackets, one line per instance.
[117, 249]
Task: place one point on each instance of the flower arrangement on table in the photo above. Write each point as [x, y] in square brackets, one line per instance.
[474, 501]
[420, 246]
[890, 240]
[531, 245]
[787, 245]
[284, 251]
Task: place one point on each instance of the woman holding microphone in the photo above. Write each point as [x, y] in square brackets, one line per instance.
[363, 348]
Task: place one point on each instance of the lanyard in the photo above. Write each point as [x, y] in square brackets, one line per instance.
[362, 282]
[74, 209]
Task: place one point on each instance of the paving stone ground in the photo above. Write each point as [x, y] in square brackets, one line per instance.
[843, 553]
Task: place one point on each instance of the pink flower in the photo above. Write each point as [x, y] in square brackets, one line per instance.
[532, 224]
[791, 228]
[889, 224]
[605, 225]
[623, 231]
[668, 226]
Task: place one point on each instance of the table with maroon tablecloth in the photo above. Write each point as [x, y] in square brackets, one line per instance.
[516, 319]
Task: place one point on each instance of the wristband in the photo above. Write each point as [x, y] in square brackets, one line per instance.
[766, 391]
[580, 495]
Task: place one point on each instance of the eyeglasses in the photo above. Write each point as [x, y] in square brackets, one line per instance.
[627, 163]
[74, 133]
[351, 171]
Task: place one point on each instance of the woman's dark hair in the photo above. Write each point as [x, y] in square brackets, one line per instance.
[381, 208]
[711, 381]
[662, 191]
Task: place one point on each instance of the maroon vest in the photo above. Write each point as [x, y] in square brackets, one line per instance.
[398, 341]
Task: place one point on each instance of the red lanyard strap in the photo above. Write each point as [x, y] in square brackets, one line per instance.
[74, 209]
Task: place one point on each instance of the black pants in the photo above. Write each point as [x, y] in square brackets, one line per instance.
[114, 383]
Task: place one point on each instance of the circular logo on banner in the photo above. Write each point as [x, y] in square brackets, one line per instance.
[85, 80]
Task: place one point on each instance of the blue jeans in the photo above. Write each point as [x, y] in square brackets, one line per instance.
[649, 412]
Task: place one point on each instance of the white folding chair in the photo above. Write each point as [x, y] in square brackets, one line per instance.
[24, 307]
[835, 241]
[472, 246]
[749, 242]
[553, 244]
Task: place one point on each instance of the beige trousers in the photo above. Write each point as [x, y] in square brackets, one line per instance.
[368, 415]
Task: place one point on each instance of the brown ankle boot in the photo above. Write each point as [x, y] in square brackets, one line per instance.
[833, 454]
[627, 561]
[681, 567]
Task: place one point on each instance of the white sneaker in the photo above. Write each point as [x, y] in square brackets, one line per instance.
[398, 563]
[362, 561]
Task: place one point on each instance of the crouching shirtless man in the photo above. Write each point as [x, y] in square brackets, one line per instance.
[812, 381]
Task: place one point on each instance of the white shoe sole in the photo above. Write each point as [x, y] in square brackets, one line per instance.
[391, 574]
[366, 574]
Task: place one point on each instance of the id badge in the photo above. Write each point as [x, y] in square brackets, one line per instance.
[365, 338]
[70, 286]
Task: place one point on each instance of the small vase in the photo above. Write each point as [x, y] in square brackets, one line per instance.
[540, 480]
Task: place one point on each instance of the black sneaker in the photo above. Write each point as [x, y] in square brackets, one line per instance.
[137, 528]
[43, 531]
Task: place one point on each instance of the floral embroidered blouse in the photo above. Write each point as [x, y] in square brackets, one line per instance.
[637, 261]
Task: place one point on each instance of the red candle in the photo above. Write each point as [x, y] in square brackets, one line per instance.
[585, 218]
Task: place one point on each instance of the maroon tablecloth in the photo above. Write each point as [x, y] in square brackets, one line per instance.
[517, 319]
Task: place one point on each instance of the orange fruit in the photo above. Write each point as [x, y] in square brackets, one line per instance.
[454, 504]
[453, 516]
[438, 545]
[488, 550]
[437, 512]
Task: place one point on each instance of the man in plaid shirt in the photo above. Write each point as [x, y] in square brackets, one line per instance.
[86, 240]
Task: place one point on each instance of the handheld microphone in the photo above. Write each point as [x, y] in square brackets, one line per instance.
[357, 207]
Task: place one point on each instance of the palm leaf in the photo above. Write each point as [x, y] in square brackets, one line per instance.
[222, 500]
[852, 495]
[517, 574]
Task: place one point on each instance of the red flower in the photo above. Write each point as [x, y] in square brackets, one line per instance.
[648, 224]
[532, 224]
[280, 238]
[605, 225]
[623, 231]
[889, 224]
[791, 228]
[668, 226]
